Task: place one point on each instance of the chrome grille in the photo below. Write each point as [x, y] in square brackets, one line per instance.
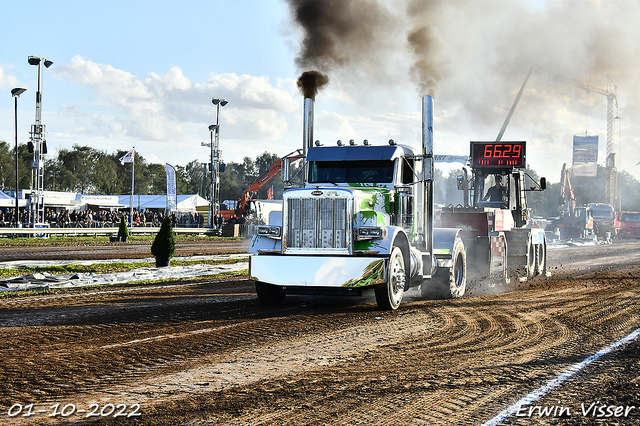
[317, 223]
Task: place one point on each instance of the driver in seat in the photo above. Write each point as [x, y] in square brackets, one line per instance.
[496, 192]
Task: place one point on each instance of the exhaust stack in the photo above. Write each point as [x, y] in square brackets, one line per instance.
[427, 171]
[307, 125]
[307, 133]
[309, 83]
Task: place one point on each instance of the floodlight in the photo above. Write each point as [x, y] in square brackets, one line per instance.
[220, 101]
[17, 91]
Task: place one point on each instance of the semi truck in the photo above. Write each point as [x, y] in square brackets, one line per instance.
[574, 222]
[604, 216]
[628, 224]
[362, 220]
[494, 215]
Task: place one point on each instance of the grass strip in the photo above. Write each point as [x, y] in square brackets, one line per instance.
[108, 268]
[98, 240]
[223, 276]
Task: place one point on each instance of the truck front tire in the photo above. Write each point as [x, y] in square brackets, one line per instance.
[389, 294]
[269, 294]
[448, 283]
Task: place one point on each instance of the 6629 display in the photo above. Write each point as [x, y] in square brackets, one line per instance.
[498, 154]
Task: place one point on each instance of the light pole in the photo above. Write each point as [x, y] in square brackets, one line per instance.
[16, 94]
[212, 188]
[619, 183]
[215, 158]
[39, 146]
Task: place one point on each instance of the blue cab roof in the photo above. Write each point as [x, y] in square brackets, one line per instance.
[357, 152]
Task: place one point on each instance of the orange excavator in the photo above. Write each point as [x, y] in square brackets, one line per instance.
[249, 193]
[576, 222]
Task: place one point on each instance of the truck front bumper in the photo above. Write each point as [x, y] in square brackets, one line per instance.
[318, 271]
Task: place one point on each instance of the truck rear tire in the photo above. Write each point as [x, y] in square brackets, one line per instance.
[541, 259]
[448, 283]
[389, 294]
[531, 261]
[269, 294]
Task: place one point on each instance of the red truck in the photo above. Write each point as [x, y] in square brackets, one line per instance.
[628, 224]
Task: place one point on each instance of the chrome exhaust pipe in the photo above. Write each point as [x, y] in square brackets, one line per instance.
[427, 125]
[307, 125]
[307, 131]
[427, 172]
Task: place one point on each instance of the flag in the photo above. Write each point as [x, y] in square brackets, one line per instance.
[451, 159]
[270, 193]
[172, 201]
[128, 157]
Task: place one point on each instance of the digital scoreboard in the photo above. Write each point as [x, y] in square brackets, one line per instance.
[498, 154]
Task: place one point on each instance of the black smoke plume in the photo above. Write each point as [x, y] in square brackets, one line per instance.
[426, 70]
[310, 82]
[338, 33]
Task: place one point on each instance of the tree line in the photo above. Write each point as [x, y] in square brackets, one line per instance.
[90, 171]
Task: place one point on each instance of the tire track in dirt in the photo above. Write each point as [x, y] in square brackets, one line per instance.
[461, 388]
[469, 330]
[155, 347]
[235, 362]
[526, 359]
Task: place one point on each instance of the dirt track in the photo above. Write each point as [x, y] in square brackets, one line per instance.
[130, 250]
[211, 354]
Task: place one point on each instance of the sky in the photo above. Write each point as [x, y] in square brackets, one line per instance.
[142, 74]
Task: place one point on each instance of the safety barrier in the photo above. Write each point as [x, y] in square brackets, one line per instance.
[142, 230]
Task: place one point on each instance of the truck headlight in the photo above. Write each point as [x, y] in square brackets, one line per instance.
[269, 231]
[369, 233]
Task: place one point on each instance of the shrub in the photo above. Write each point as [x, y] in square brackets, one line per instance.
[164, 245]
[123, 231]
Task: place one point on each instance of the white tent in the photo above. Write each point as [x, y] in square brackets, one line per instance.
[7, 201]
[144, 202]
[190, 204]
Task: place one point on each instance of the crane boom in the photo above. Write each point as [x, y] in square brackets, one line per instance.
[513, 107]
[260, 182]
[611, 92]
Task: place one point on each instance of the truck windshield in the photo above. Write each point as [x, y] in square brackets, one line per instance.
[369, 171]
[602, 214]
[630, 217]
[493, 190]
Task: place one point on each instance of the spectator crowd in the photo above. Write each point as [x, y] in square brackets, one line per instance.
[101, 218]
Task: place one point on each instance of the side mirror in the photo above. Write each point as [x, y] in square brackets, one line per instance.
[543, 183]
[460, 181]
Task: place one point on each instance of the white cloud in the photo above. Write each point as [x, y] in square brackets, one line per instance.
[170, 109]
[251, 91]
[7, 80]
